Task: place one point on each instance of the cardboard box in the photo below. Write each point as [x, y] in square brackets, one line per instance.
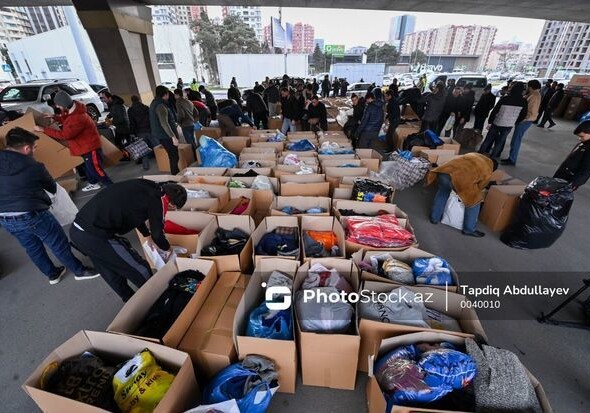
[332, 135]
[282, 352]
[409, 113]
[235, 144]
[186, 156]
[334, 175]
[134, 311]
[214, 133]
[165, 178]
[304, 185]
[69, 183]
[329, 360]
[302, 203]
[295, 136]
[448, 303]
[260, 171]
[280, 170]
[207, 179]
[342, 193]
[259, 149]
[323, 223]
[200, 171]
[209, 340]
[300, 154]
[181, 395]
[267, 225]
[275, 122]
[327, 163]
[224, 263]
[55, 156]
[500, 177]
[219, 197]
[404, 130]
[500, 206]
[244, 130]
[370, 159]
[258, 156]
[333, 125]
[307, 160]
[236, 196]
[197, 221]
[433, 154]
[111, 154]
[277, 146]
[376, 403]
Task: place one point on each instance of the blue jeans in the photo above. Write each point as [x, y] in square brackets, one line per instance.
[495, 140]
[517, 136]
[288, 126]
[37, 228]
[445, 187]
[189, 135]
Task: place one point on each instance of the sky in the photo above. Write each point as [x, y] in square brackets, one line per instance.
[349, 27]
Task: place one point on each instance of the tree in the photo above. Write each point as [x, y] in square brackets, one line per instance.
[318, 59]
[231, 37]
[418, 57]
[387, 54]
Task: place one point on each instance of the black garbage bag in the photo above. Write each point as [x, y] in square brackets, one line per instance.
[542, 214]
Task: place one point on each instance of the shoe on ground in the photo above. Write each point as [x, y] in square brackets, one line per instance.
[552, 125]
[54, 279]
[87, 274]
[91, 187]
[432, 221]
[476, 234]
[507, 162]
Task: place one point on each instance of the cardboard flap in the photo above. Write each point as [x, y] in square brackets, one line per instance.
[306, 179]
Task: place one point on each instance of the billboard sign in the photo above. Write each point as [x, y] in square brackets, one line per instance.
[334, 49]
[289, 36]
[278, 33]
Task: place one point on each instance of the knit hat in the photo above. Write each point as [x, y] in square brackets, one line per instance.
[63, 99]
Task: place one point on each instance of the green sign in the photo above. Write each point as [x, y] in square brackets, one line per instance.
[334, 49]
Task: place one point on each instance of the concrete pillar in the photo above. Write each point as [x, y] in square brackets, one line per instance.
[122, 35]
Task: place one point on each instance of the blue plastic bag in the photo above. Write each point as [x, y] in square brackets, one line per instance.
[214, 155]
[432, 271]
[436, 141]
[585, 117]
[229, 384]
[300, 146]
[197, 125]
[271, 324]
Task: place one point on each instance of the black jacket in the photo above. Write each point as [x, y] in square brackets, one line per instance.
[123, 207]
[435, 104]
[372, 118]
[484, 105]
[234, 112]
[393, 112]
[272, 94]
[23, 182]
[255, 103]
[258, 89]
[547, 97]
[555, 99]
[139, 118]
[510, 110]
[118, 113]
[316, 87]
[318, 112]
[234, 93]
[326, 85]
[466, 105]
[290, 107]
[576, 167]
[209, 99]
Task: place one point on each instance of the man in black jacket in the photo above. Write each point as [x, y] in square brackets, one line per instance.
[326, 86]
[272, 97]
[290, 110]
[209, 101]
[258, 88]
[315, 86]
[24, 208]
[118, 115]
[317, 115]
[257, 109]
[466, 101]
[394, 117]
[230, 116]
[139, 125]
[551, 106]
[484, 106]
[450, 106]
[358, 109]
[118, 209]
[576, 167]
[546, 92]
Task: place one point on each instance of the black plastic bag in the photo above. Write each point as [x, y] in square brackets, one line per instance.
[427, 138]
[542, 214]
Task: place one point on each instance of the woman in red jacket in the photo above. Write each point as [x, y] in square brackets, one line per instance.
[82, 137]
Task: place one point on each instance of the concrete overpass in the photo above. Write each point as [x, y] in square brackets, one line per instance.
[122, 34]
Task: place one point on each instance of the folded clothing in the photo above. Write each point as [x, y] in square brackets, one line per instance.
[320, 244]
[226, 242]
[236, 183]
[283, 241]
[171, 227]
[262, 183]
[352, 212]
[294, 211]
[292, 159]
[383, 231]
[247, 174]
[171, 303]
[401, 307]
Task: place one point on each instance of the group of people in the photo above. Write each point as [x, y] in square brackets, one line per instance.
[338, 87]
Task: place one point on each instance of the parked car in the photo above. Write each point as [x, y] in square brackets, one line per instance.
[478, 81]
[99, 88]
[35, 94]
[359, 88]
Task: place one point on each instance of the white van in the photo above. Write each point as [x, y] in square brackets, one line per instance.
[477, 80]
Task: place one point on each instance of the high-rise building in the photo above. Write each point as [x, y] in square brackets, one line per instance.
[162, 15]
[399, 27]
[267, 35]
[511, 57]
[563, 46]
[14, 25]
[303, 38]
[183, 15]
[45, 18]
[196, 11]
[453, 40]
[251, 15]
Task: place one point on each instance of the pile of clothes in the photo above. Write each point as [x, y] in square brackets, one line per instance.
[171, 227]
[250, 165]
[333, 315]
[333, 148]
[383, 231]
[260, 182]
[277, 137]
[241, 206]
[293, 159]
[368, 190]
[426, 375]
[428, 271]
[226, 242]
[170, 305]
[272, 324]
[301, 146]
[197, 194]
[318, 244]
[136, 385]
[403, 306]
[289, 210]
[283, 241]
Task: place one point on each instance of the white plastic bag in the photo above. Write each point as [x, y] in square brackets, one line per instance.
[156, 256]
[454, 212]
[323, 316]
[342, 117]
[450, 123]
[62, 207]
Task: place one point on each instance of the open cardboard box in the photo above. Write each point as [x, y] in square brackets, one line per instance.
[370, 159]
[235, 144]
[333, 125]
[334, 175]
[376, 402]
[500, 177]
[342, 193]
[326, 163]
[277, 146]
[209, 340]
[186, 156]
[407, 256]
[282, 352]
[181, 395]
[200, 171]
[262, 163]
[165, 178]
[267, 225]
[244, 130]
[301, 154]
[304, 185]
[280, 170]
[258, 156]
[308, 160]
[500, 205]
[275, 122]
[133, 313]
[342, 156]
[433, 154]
[210, 132]
[325, 223]
[295, 136]
[111, 154]
[406, 129]
[348, 182]
[259, 149]
[266, 171]
[329, 360]
[235, 198]
[448, 303]
[236, 262]
[219, 197]
[209, 180]
[302, 203]
[197, 221]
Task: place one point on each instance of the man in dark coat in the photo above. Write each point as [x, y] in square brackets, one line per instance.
[257, 109]
[576, 167]
[554, 102]
[484, 106]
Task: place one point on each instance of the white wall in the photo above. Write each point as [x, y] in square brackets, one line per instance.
[354, 72]
[31, 52]
[249, 68]
[175, 39]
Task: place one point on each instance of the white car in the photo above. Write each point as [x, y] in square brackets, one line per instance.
[35, 94]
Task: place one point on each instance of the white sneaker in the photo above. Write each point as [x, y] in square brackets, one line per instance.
[91, 187]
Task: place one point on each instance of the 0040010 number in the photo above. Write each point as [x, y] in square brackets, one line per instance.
[481, 304]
